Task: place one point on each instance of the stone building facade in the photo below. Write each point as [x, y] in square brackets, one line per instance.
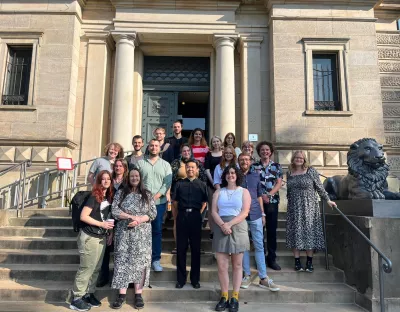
[313, 75]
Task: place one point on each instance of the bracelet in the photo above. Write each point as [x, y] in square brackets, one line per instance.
[264, 215]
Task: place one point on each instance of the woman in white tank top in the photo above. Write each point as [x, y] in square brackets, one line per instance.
[231, 205]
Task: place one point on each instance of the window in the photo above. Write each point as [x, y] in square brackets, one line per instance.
[327, 77]
[326, 95]
[17, 76]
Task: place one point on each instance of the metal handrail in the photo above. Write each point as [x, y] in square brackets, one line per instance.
[383, 267]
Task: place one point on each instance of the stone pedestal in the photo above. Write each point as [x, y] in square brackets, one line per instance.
[369, 208]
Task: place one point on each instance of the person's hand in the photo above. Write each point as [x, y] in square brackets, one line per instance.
[265, 198]
[168, 196]
[157, 196]
[110, 239]
[331, 204]
[106, 225]
[263, 221]
[226, 229]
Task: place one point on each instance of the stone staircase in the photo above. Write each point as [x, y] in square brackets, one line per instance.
[39, 259]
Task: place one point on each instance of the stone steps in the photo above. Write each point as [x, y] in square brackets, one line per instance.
[291, 292]
[66, 272]
[44, 231]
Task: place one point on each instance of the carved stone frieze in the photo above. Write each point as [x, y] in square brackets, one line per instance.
[390, 67]
[389, 53]
[390, 81]
[391, 111]
[390, 95]
[388, 39]
[394, 163]
[391, 125]
[393, 140]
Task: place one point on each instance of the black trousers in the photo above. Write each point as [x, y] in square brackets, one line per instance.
[188, 231]
[271, 212]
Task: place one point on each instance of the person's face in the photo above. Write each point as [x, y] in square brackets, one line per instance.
[105, 181]
[177, 128]
[197, 136]
[159, 134]
[137, 144]
[298, 159]
[186, 153]
[113, 152]
[244, 163]
[229, 140]
[134, 178]
[154, 148]
[228, 154]
[265, 151]
[216, 144]
[231, 175]
[191, 170]
[247, 149]
[119, 168]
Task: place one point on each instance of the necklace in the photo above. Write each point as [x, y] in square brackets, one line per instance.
[230, 194]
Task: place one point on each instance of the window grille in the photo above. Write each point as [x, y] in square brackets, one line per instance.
[18, 68]
[325, 75]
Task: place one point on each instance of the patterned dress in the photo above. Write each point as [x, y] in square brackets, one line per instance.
[132, 245]
[304, 225]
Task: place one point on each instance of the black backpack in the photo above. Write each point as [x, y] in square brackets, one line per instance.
[76, 206]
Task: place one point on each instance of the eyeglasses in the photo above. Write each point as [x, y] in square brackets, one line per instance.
[228, 153]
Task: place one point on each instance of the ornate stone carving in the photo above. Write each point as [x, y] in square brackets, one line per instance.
[367, 175]
[389, 67]
[331, 158]
[389, 53]
[390, 95]
[391, 111]
[7, 153]
[393, 140]
[394, 163]
[391, 125]
[390, 81]
[387, 39]
[316, 158]
[39, 154]
[22, 153]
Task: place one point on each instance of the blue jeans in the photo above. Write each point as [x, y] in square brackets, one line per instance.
[257, 233]
[156, 232]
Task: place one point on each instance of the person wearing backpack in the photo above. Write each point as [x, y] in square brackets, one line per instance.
[95, 232]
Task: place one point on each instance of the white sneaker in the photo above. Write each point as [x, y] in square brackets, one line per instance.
[246, 282]
[157, 266]
[268, 284]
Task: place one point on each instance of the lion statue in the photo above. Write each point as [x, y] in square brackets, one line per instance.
[367, 174]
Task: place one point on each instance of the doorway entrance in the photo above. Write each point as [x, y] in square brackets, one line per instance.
[175, 88]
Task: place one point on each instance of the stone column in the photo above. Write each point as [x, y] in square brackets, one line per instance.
[224, 85]
[122, 106]
[250, 89]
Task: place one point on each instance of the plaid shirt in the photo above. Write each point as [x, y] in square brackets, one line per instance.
[268, 177]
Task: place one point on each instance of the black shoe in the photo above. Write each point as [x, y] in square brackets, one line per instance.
[274, 266]
[233, 305]
[79, 305]
[117, 304]
[101, 282]
[139, 303]
[174, 251]
[91, 300]
[177, 285]
[211, 236]
[222, 304]
[196, 285]
[298, 267]
[309, 267]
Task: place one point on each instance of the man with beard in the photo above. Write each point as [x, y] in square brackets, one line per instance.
[177, 139]
[132, 159]
[157, 177]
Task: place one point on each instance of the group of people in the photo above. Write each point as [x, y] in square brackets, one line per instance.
[239, 191]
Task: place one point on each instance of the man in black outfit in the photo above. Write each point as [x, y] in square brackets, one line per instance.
[190, 199]
[177, 139]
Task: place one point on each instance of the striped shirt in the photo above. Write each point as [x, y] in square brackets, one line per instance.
[200, 152]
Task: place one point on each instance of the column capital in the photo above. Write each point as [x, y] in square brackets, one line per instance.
[99, 37]
[250, 42]
[225, 40]
[125, 36]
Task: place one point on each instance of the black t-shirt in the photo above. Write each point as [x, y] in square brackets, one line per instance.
[100, 212]
[210, 163]
[176, 145]
[190, 194]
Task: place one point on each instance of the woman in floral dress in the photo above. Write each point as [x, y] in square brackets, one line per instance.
[304, 225]
[134, 207]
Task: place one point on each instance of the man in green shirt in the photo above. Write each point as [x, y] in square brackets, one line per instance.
[157, 177]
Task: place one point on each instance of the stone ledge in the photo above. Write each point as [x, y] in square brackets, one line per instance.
[328, 113]
[17, 108]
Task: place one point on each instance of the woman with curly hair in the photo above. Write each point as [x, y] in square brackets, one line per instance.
[198, 144]
[304, 225]
[134, 208]
[94, 234]
[112, 151]
[231, 205]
